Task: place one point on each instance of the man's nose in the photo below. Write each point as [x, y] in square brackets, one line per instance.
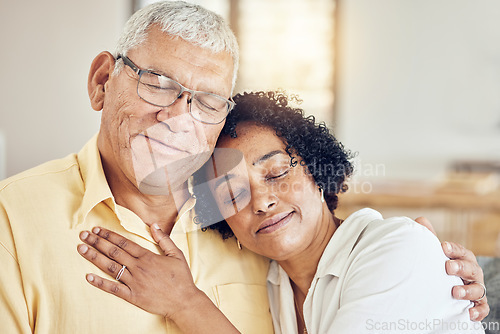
[176, 116]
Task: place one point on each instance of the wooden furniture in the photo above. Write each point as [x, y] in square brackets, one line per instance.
[464, 213]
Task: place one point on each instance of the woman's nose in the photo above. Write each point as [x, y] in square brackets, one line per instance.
[263, 199]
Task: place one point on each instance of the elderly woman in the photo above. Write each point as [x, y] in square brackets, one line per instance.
[273, 184]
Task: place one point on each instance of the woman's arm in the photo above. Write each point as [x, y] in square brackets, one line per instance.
[159, 284]
[463, 263]
[395, 282]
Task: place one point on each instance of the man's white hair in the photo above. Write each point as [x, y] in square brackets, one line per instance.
[190, 22]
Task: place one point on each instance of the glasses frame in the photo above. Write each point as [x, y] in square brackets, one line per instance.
[140, 72]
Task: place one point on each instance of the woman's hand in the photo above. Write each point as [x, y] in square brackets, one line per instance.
[158, 284]
[463, 263]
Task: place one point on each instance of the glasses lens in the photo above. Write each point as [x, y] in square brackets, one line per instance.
[209, 108]
[157, 89]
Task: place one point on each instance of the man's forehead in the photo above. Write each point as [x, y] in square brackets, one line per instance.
[172, 56]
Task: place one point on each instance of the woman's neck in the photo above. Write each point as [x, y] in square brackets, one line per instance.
[302, 267]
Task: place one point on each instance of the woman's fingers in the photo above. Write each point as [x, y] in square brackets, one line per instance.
[107, 248]
[123, 243]
[156, 283]
[103, 262]
[166, 244]
[116, 288]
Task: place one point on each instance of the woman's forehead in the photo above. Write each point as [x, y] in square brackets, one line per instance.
[250, 135]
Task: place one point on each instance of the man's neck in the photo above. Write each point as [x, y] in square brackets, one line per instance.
[161, 209]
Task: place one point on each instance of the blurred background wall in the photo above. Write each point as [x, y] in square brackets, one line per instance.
[47, 47]
[419, 83]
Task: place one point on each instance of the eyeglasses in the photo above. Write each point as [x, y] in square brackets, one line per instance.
[162, 91]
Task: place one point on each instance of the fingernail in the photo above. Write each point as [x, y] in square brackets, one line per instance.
[461, 292]
[84, 235]
[96, 230]
[155, 226]
[448, 246]
[90, 278]
[454, 267]
[474, 314]
[83, 249]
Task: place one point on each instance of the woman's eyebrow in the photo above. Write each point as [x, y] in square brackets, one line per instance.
[267, 156]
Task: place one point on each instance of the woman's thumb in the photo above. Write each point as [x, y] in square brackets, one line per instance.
[163, 240]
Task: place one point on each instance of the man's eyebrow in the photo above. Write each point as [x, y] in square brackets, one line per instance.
[167, 75]
[159, 72]
[224, 178]
[267, 156]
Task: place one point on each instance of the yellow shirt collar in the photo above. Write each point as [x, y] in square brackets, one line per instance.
[96, 190]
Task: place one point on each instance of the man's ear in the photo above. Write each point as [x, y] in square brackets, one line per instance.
[101, 69]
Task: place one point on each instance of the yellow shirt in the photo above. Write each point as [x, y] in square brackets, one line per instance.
[42, 276]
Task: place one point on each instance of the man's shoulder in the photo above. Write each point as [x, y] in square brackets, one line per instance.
[45, 172]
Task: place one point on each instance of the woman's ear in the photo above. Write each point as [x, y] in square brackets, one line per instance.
[101, 69]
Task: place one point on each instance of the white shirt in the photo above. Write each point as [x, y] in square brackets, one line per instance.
[375, 276]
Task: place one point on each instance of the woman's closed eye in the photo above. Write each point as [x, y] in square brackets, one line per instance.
[278, 174]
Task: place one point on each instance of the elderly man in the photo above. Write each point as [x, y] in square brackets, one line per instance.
[164, 95]
[167, 47]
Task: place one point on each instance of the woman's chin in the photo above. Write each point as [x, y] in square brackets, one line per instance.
[282, 247]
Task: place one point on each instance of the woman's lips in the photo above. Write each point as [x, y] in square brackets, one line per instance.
[275, 222]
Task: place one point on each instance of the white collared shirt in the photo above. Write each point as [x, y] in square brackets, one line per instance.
[375, 276]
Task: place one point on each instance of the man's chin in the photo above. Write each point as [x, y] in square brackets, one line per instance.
[159, 183]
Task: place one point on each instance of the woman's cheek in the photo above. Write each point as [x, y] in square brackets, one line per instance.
[240, 226]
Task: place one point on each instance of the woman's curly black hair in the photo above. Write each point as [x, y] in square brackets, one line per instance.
[307, 142]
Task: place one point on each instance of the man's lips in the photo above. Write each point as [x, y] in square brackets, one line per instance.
[169, 147]
[275, 222]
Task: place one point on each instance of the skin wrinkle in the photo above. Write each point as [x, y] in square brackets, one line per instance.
[95, 242]
[112, 267]
[206, 87]
[123, 243]
[114, 252]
